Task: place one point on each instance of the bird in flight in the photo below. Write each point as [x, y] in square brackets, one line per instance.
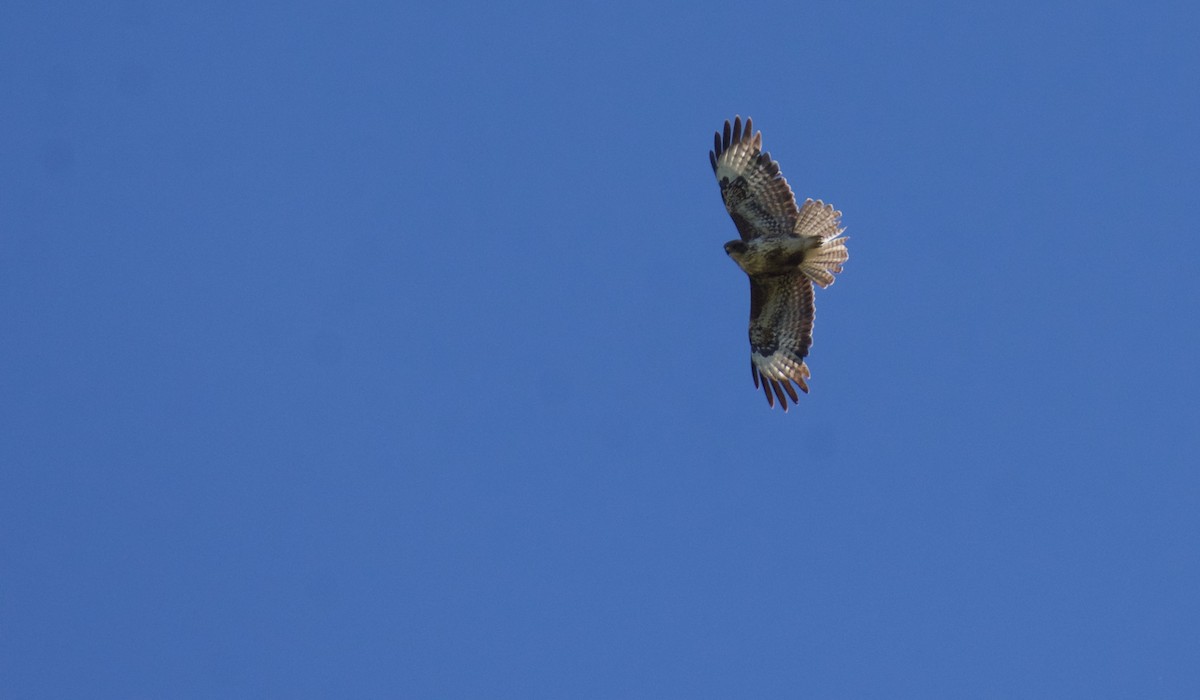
[783, 249]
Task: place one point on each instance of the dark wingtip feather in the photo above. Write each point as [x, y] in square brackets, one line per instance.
[733, 133]
[779, 392]
[791, 391]
[767, 390]
[754, 372]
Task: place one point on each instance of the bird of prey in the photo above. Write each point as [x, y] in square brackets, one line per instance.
[784, 249]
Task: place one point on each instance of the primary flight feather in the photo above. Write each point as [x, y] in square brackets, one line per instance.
[784, 249]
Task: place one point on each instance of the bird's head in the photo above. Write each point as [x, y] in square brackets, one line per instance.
[736, 249]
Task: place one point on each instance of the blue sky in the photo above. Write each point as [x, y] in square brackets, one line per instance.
[364, 350]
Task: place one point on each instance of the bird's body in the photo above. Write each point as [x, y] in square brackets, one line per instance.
[769, 256]
[784, 249]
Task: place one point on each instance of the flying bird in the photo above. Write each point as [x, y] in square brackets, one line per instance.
[783, 249]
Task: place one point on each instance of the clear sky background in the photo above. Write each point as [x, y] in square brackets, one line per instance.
[380, 350]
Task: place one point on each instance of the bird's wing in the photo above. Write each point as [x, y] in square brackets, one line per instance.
[755, 193]
[781, 324]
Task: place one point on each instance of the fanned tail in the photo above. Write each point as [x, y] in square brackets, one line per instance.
[823, 262]
[821, 220]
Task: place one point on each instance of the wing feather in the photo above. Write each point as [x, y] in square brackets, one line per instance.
[757, 196]
[781, 323]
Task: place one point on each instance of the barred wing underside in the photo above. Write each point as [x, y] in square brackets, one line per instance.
[756, 194]
[781, 325]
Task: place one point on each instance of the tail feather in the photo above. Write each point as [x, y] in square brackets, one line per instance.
[818, 219]
[823, 262]
[821, 220]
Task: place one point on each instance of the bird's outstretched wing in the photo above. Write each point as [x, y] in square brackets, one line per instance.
[781, 324]
[756, 195]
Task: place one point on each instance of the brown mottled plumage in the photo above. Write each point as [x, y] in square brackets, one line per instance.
[783, 249]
